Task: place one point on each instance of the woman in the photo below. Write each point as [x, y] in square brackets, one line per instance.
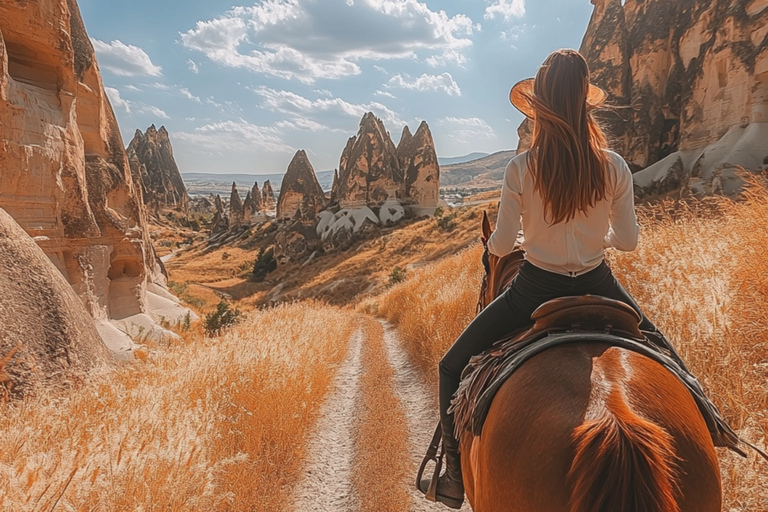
[575, 199]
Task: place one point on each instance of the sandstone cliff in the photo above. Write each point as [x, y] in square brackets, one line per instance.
[42, 319]
[300, 192]
[63, 168]
[418, 162]
[151, 156]
[689, 79]
[369, 171]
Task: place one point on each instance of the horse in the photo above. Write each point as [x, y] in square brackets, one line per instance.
[587, 427]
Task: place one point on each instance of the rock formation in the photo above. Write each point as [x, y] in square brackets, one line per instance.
[64, 171]
[235, 208]
[42, 318]
[301, 196]
[267, 196]
[151, 157]
[689, 81]
[220, 222]
[369, 170]
[418, 162]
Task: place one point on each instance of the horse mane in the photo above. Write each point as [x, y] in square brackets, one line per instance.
[622, 459]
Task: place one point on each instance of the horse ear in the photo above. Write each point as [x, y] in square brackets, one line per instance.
[486, 225]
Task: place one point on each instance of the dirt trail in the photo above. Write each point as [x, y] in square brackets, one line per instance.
[327, 482]
[420, 404]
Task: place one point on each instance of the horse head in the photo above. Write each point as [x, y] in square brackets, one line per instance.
[500, 271]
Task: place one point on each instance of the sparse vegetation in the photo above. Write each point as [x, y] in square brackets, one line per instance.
[223, 317]
[201, 426]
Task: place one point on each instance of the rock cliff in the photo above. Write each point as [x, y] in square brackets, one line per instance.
[688, 79]
[235, 208]
[301, 195]
[44, 323]
[63, 167]
[151, 156]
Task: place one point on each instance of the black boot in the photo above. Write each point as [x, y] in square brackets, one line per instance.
[450, 485]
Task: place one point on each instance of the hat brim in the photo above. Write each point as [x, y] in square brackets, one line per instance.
[521, 97]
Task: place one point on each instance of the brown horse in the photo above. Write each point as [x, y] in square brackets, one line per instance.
[589, 428]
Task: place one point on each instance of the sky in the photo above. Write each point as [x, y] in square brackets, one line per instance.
[240, 88]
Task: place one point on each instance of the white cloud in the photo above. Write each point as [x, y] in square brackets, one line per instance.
[385, 93]
[307, 40]
[132, 87]
[425, 82]
[185, 92]
[447, 57]
[507, 9]
[193, 66]
[300, 123]
[115, 99]
[300, 107]
[465, 130]
[237, 135]
[124, 59]
[154, 111]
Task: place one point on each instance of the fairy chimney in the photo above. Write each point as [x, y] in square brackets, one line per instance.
[369, 170]
[151, 156]
[300, 192]
[267, 196]
[418, 162]
[235, 208]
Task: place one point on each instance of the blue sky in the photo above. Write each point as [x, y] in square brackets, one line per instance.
[241, 87]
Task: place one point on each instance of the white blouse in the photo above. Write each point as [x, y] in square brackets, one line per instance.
[573, 247]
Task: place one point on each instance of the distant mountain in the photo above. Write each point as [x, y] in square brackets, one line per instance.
[481, 173]
[460, 159]
[203, 183]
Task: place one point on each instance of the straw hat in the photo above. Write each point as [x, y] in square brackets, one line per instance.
[522, 92]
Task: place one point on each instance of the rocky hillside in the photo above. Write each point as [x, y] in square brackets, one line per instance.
[484, 172]
[64, 173]
[151, 156]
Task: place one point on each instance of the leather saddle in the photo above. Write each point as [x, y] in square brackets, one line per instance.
[586, 313]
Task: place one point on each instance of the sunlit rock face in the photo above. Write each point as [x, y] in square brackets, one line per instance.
[267, 196]
[64, 173]
[236, 212]
[369, 170]
[418, 163]
[301, 195]
[681, 76]
[151, 156]
[43, 324]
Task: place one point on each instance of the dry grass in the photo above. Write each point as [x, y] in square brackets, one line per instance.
[214, 424]
[432, 307]
[382, 469]
[699, 274]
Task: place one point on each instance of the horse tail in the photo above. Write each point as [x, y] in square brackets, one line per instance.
[622, 462]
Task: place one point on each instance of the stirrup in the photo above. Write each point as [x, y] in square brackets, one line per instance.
[432, 455]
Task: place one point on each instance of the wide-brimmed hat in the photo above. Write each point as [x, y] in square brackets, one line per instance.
[522, 93]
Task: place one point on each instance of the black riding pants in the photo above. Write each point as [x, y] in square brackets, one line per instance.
[512, 311]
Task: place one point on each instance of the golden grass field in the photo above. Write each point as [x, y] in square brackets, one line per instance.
[699, 273]
[210, 424]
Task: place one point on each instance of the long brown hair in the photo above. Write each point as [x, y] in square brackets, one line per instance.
[566, 157]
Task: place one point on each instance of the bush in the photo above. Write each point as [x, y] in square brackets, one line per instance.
[398, 275]
[264, 264]
[446, 223]
[438, 212]
[220, 319]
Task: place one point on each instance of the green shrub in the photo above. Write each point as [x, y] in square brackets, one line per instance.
[264, 264]
[446, 222]
[220, 319]
[398, 275]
